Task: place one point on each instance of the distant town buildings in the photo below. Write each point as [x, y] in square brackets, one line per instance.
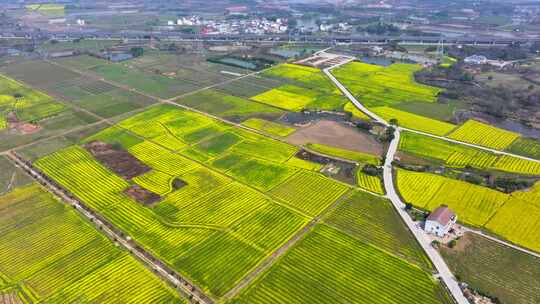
[233, 26]
[476, 59]
[440, 221]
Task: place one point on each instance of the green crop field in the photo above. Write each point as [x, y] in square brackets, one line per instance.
[38, 73]
[227, 106]
[304, 88]
[269, 127]
[525, 146]
[53, 256]
[11, 176]
[147, 82]
[28, 105]
[329, 266]
[491, 268]
[299, 193]
[373, 220]
[305, 76]
[459, 156]
[369, 182]
[82, 62]
[296, 98]
[415, 122]
[346, 154]
[478, 133]
[196, 227]
[474, 205]
[304, 164]
[519, 219]
[453, 155]
[517, 165]
[379, 86]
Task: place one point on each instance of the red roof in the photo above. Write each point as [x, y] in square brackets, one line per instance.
[443, 215]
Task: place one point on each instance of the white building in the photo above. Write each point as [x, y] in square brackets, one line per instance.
[440, 221]
[476, 59]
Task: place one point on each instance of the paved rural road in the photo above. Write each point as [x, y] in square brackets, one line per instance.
[444, 272]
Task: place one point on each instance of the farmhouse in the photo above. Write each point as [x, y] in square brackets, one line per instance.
[440, 221]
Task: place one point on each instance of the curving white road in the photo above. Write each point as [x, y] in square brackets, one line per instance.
[444, 272]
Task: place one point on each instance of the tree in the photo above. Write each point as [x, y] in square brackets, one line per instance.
[371, 170]
[393, 121]
[136, 51]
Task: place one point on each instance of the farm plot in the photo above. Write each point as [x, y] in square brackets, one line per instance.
[149, 83]
[369, 182]
[63, 122]
[209, 210]
[11, 176]
[373, 220]
[81, 62]
[38, 73]
[309, 192]
[21, 104]
[384, 86]
[103, 191]
[304, 164]
[519, 220]
[474, 204]
[114, 102]
[490, 267]
[49, 251]
[260, 174]
[308, 274]
[517, 165]
[295, 98]
[481, 134]
[415, 122]
[228, 106]
[269, 127]
[525, 146]
[453, 155]
[249, 86]
[287, 97]
[308, 77]
[346, 154]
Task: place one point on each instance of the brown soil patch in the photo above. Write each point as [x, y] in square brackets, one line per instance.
[117, 160]
[21, 127]
[411, 159]
[335, 134]
[142, 195]
[462, 243]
